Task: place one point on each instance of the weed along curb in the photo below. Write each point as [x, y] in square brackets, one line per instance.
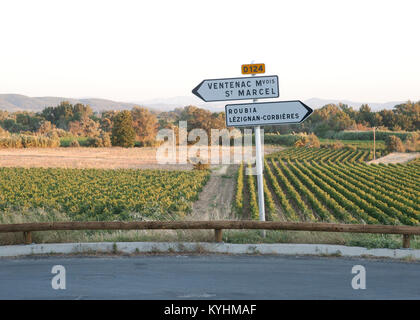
[205, 247]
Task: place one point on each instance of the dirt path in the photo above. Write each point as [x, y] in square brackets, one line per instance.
[215, 201]
[396, 157]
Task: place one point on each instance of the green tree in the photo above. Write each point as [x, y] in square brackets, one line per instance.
[198, 118]
[65, 112]
[365, 115]
[107, 120]
[145, 125]
[45, 127]
[85, 127]
[123, 133]
[329, 119]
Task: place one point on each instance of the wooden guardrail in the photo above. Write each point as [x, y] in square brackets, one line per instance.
[217, 226]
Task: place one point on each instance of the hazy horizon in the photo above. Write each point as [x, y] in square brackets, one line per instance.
[13, 102]
[130, 51]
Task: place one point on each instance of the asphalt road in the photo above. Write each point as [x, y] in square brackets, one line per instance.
[207, 277]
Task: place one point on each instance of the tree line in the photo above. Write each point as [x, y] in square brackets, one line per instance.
[118, 128]
[330, 119]
[140, 125]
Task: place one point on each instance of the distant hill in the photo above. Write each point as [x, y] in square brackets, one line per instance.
[316, 103]
[18, 102]
[168, 104]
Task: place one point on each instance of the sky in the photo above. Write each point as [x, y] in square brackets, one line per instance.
[139, 50]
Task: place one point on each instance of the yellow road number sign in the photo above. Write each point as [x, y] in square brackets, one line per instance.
[253, 68]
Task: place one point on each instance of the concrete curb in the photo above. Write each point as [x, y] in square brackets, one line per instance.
[205, 247]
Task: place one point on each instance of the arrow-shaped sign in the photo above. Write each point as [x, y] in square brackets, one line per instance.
[238, 88]
[266, 113]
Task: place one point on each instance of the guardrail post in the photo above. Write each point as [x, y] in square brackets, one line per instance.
[27, 236]
[218, 235]
[406, 241]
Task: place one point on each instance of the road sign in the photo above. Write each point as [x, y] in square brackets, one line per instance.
[266, 113]
[253, 68]
[238, 88]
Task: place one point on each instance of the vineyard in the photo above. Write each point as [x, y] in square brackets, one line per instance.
[308, 184]
[98, 194]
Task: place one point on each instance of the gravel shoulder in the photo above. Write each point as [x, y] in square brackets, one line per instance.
[396, 157]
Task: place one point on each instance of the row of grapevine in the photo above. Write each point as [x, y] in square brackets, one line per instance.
[394, 181]
[292, 191]
[288, 211]
[394, 192]
[101, 194]
[341, 195]
[381, 200]
[335, 185]
[253, 203]
[316, 205]
[270, 207]
[400, 172]
[362, 199]
[326, 193]
[323, 154]
[239, 196]
[349, 200]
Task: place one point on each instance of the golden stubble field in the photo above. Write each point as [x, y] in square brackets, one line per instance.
[103, 158]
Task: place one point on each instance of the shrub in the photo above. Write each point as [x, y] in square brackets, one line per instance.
[27, 141]
[74, 144]
[106, 139]
[94, 142]
[199, 164]
[394, 144]
[308, 140]
[4, 133]
[58, 133]
[153, 143]
[12, 141]
[45, 127]
[103, 140]
[285, 139]
[335, 145]
[368, 135]
[412, 142]
[351, 147]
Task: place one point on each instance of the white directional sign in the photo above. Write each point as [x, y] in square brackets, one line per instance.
[266, 113]
[238, 88]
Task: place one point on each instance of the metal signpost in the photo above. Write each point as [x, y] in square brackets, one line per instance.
[253, 114]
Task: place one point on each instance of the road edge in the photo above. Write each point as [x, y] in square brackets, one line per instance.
[206, 247]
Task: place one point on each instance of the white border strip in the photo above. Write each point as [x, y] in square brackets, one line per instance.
[205, 247]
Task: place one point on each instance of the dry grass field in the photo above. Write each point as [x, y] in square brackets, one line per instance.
[105, 158]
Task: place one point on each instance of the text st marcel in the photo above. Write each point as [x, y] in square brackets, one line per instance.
[244, 88]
